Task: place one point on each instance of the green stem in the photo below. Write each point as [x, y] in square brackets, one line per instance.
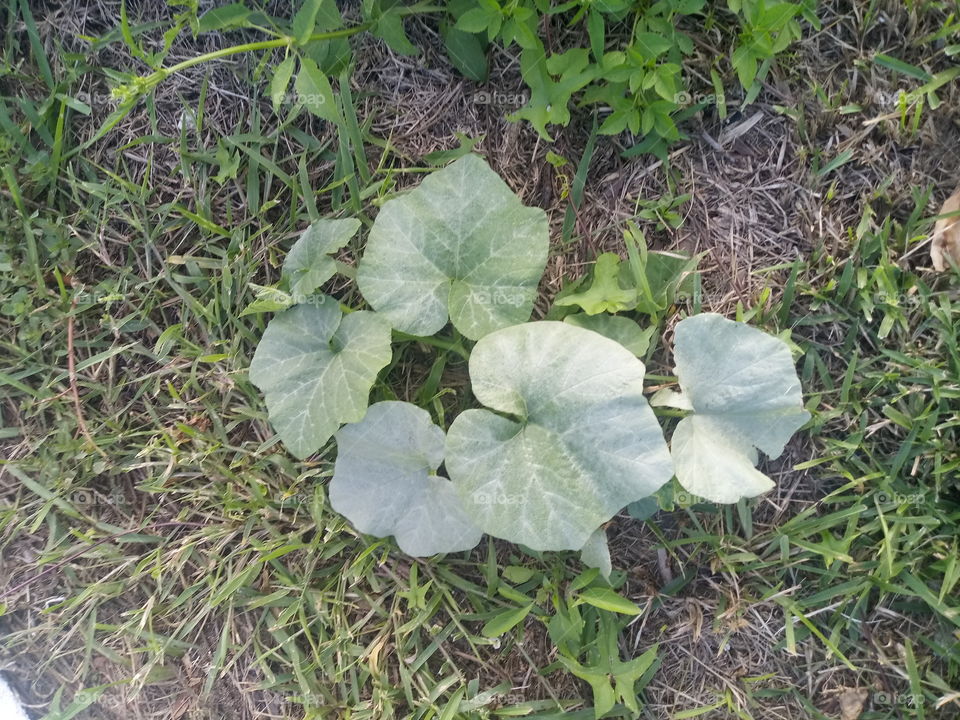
[162, 74]
[442, 343]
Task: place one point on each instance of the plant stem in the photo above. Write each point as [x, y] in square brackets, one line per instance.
[450, 345]
[162, 74]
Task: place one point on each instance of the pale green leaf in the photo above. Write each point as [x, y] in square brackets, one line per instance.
[316, 371]
[596, 553]
[743, 388]
[460, 246]
[571, 439]
[308, 265]
[385, 482]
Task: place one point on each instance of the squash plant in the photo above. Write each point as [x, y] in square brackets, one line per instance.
[562, 437]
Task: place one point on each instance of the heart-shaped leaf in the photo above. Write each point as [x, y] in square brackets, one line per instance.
[385, 482]
[316, 371]
[571, 439]
[460, 246]
[308, 265]
[743, 389]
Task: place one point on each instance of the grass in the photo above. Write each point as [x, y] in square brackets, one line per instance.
[161, 552]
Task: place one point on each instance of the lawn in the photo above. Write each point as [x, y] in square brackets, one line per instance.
[165, 555]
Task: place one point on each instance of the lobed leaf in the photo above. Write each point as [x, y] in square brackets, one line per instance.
[743, 389]
[385, 482]
[315, 368]
[460, 246]
[568, 439]
[308, 265]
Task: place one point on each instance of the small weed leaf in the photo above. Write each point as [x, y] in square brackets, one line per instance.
[605, 293]
[568, 439]
[316, 371]
[385, 482]
[607, 599]
[460, 246]
[745, 395]
[308, 265]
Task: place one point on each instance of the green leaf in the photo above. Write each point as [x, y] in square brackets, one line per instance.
[901, 67]
[390, 29]
[316, 371]
[281, 79]
[604, 293]
[305, 20]
[607, 599]
[465, 51]
[650, 45]
[568, 441]
[308, 265]
[229, 165]
[314, 91]
[228, 17]
[745, 63]
[596, 553]
[619, 329]
[596, 31]
[474, 21]
[460, 246]
[269, 299]
[505, 621]
[644, 509]
[743, 388]
[385, 482]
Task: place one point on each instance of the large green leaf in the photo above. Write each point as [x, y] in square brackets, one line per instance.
[308, 265]
[316, 371]
[743, 389]
[462, 246]
[571, 439]
[385, 482]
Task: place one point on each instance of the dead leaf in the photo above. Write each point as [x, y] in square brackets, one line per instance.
[946, 235]
[851, 702]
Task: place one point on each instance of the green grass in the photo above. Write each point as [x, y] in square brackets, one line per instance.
[172, 549]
